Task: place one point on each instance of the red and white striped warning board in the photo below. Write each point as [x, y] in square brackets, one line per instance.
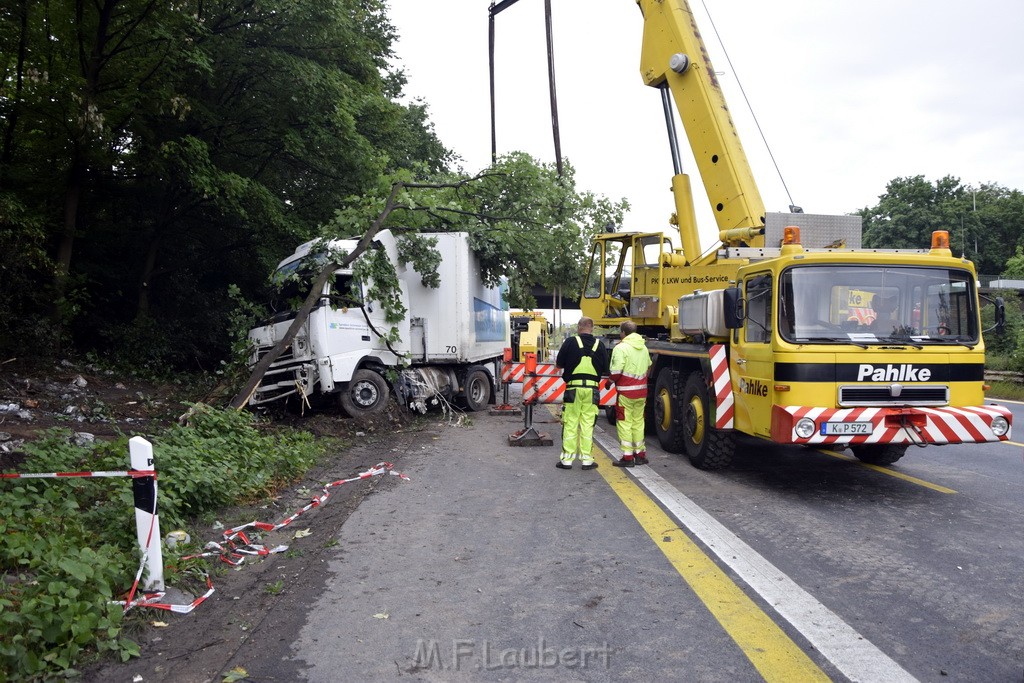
[515, 373]
[724, 401]
[547, 389]
[930, 425]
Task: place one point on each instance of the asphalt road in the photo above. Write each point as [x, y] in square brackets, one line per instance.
[796, 564]
[923, 559]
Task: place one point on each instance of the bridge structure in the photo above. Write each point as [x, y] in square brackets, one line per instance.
[549, 300]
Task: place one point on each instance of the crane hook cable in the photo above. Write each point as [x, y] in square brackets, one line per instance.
[750, 107]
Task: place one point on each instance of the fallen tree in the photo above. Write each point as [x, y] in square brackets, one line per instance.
[528, 224]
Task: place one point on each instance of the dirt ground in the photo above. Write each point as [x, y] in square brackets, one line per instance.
[262, 597]
[84, 399]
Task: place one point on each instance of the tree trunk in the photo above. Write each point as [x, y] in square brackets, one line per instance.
[72, 194]
[146, 278]
[7, 155]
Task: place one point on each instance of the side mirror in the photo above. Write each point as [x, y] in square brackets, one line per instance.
[733, 305]
[1000, 314]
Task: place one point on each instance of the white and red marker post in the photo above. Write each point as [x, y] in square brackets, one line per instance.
[147, 521]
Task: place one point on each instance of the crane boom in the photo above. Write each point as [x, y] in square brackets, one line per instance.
[675, 58]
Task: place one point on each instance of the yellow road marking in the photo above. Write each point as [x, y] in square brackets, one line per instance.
[773, 653]
[1012, 443]
[886, 470]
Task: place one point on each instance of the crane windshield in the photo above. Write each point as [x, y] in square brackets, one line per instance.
[834, 303]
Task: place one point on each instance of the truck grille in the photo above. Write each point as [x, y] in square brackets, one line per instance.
[893, 395]
[286, 356]
[287, 375]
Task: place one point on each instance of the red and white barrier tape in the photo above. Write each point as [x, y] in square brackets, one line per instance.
[127, 602]
[236, 545]
[134, 474]
[226, 551]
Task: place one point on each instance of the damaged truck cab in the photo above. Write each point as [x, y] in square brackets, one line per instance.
[449, 346]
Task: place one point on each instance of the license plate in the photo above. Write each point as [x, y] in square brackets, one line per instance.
[845, 428]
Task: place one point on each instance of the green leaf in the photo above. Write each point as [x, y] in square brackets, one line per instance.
[78, 570]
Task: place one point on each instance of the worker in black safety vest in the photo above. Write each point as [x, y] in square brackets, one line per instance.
[583, 360]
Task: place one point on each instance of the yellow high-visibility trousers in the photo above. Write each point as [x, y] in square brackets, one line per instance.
[578, 418]
[629, 425]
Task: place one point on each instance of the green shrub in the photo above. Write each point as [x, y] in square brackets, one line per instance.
[1013, 391]
[221, 458]
[69, 547]
[60, 605]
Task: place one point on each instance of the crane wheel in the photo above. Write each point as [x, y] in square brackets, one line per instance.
[708, 448]
[666, 414]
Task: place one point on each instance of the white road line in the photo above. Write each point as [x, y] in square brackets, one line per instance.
[850, 652]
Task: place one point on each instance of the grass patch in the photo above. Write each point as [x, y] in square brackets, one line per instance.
[1013, 391]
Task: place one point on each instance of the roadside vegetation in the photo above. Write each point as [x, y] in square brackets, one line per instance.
[1006, 389]
[1004, 353]
[67, 551]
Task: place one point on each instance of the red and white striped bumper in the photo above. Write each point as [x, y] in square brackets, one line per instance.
[941, 425]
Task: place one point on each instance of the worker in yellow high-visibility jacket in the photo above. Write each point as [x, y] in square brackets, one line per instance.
[629, 367]
[583, 359]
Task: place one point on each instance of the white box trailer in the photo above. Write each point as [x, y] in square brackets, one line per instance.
[452, 337]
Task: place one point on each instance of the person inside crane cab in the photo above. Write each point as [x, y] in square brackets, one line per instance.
[884, 306]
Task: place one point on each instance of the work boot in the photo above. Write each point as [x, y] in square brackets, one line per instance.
[590, 466]
[641, 460]
[624, 462]
[563, 465]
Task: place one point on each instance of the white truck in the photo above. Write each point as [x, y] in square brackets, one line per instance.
[452, 338]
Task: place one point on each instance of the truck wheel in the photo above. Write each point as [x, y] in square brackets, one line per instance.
[367, 394]
[650, 423]
[609, 413]
[878, 455]
[477, 389]
[707, 447]
[666, 414]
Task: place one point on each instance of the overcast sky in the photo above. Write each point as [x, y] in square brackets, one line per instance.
[848, 94]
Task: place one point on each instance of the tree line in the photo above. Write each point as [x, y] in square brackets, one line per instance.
[984, 222]
[157, 159]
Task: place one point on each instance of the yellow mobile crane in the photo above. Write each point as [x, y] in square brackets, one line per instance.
[787, 330]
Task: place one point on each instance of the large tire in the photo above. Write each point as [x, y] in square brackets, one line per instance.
[874, 454]
[649, 419]
[665, 411]
[477, 389]
[366, 395]
[707, 447]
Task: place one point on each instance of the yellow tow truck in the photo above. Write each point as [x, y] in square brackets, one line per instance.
[787, 329]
